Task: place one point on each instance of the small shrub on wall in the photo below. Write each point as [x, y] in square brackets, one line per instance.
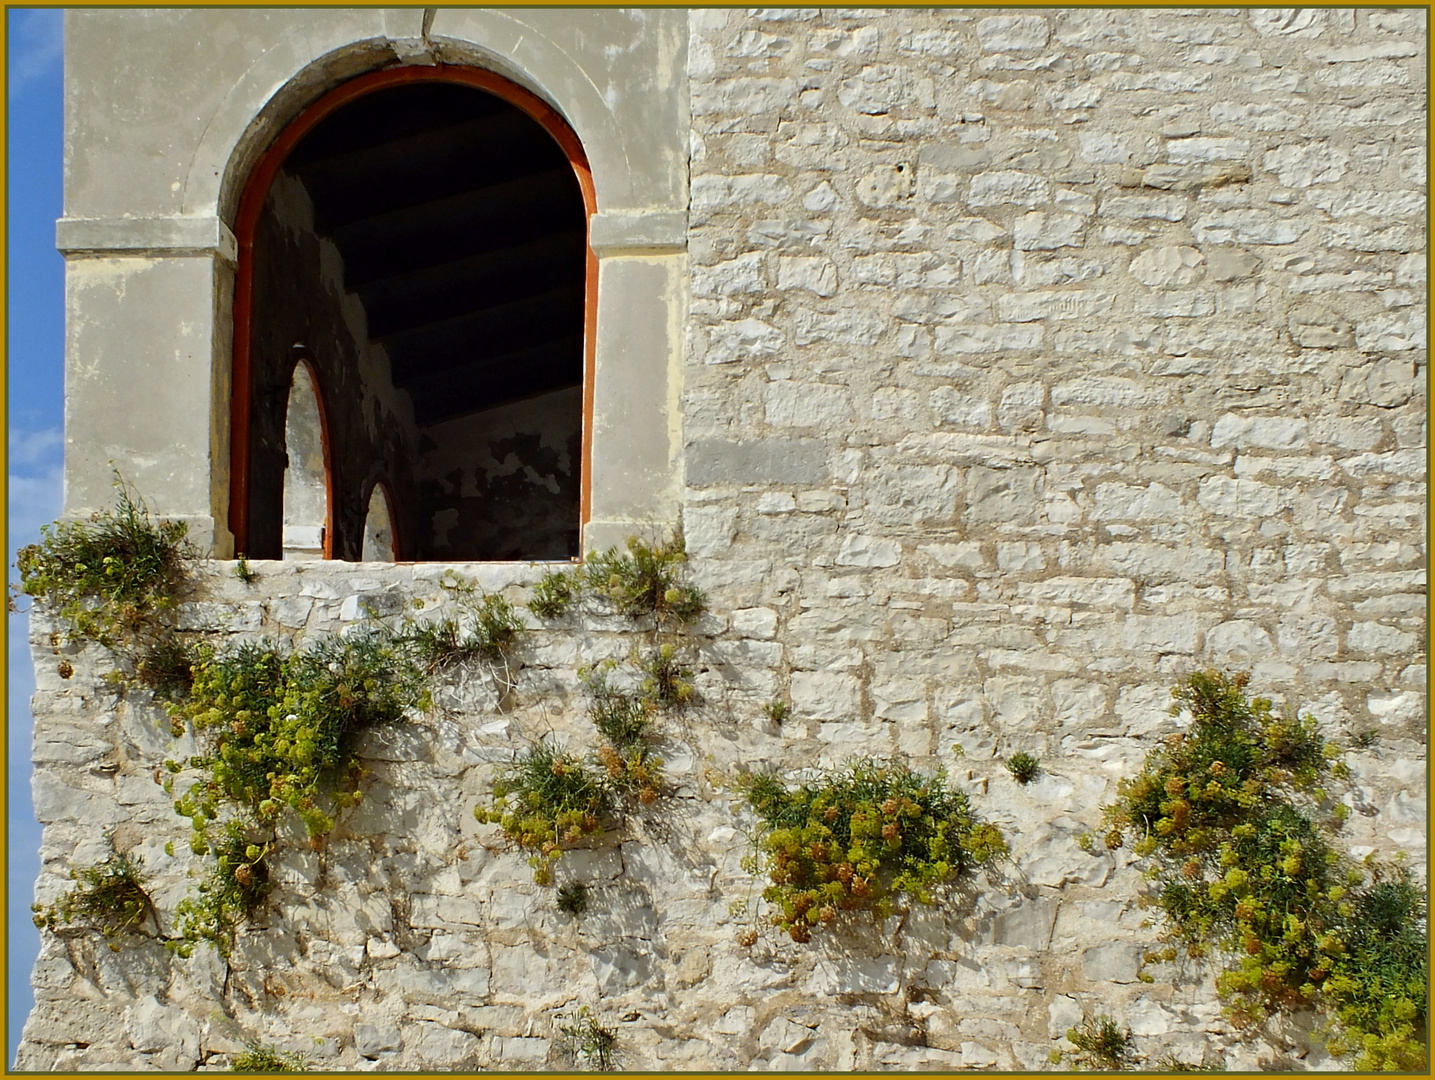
[111, 575]
[860, 839]
[545, 801]
[641, 581]
[109, 897]
[1234, 815]
[279, 729]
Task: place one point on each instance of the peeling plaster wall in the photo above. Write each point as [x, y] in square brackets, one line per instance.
[505, 480]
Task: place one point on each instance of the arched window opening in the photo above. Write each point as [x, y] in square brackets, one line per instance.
[379, 543]
[306, 469]
[428, 238]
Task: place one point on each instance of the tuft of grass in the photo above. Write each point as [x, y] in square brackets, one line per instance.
[553, 594]
[259, 1058]
[109, 897]
[165, 666]
[110, 575]
[243, 571]
[644, 580]
[777, 710]
[588, 1042]
[1101, 1045]
[573, 898]
[487, 628]
[667, 682]
[1023, 767]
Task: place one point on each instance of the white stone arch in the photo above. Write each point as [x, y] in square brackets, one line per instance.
[380, 540]
[633, 161]
[308, 488]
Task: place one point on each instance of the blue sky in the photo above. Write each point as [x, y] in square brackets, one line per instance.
[34, 371]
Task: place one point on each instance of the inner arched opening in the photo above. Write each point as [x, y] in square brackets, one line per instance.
[427, 242]
[306, 469]
[379, 545]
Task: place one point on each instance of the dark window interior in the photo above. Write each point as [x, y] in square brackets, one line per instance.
[459, 228]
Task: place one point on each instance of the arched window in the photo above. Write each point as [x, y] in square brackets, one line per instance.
[306, 508]
[425, 232]
[379, 543]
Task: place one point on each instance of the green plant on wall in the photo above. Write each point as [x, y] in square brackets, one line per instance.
[549, 799]
[587, 1042]
[1237, 823]
[236, 887]
[278, 735]
[645, 579]
[259, 1058]
[111, 575]
[1023, 767]
[546, 800]
[109, 897]
[1100, 1046]
[861, 838]
[278, 730]
[487, 628]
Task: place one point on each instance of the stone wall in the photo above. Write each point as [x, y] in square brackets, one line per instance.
[1033, 360]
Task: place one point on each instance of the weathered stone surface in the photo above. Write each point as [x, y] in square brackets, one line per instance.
[1015, 363]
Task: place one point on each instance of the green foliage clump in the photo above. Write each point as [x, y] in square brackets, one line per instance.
[487, 628]
[554, 592]
[1376, 992]
[165, 667]
[589, 1042]
[1023, 767]
[111, 575]
[235, 888]
[856, 839]
[258, 1058]
[109, 897]
[667, 682]
[623, 718]
[643, 580]
[279, 730]
[626, 718]
[777, 710]
[1232, 814]
[1101, 1046]
[545, 800]
[573, 898]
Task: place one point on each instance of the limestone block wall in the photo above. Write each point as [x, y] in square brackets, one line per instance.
[1033, 359]
[1042, 356]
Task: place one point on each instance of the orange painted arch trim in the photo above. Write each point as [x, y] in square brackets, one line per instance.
[246, 223]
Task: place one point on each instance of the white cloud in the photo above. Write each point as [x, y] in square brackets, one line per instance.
[32, 448]
[37, 45]
[34, 501]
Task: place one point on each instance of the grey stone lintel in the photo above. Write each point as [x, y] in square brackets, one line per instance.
[122, 237]
[638, 232]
